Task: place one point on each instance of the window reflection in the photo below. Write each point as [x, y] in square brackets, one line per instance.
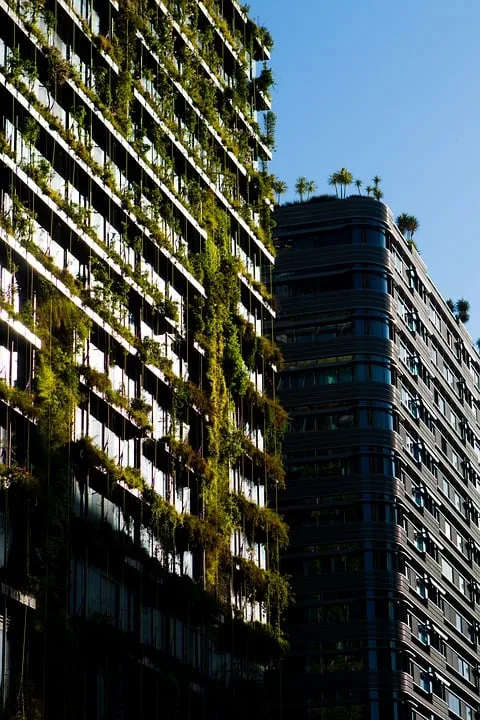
[375, 236]
[374, 279]
[338, 374]
[369, 236]
[348, 418]
[376, 326]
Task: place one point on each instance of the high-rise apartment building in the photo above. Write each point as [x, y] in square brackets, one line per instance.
[138, 432]
[382, 386]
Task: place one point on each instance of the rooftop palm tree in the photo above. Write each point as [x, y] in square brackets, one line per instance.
[301, 186]
[377, 193]
[462, 307]
[377, 180]
[358, 184]
[311, 187]
[333, 180]
[369, 189]
[345, 178]
[402, 222]
[279, 188]
[412, 226]
[450, 304]
[407, 224]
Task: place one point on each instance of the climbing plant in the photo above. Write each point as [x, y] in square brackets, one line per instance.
[156, 141]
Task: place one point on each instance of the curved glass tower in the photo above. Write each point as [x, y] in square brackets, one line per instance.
[381, 385]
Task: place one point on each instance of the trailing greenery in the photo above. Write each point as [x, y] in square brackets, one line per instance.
[221, 285]
[137, 409]
[261, 345]
[177, 530]
[271, 465]
[266, 586]
[124, 49]
[20, 399]
[159, 82]
[113, 290]
[261, 523]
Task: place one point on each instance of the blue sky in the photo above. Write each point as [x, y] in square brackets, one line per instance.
[388, 88]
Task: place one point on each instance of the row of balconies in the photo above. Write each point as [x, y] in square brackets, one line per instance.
[59, 185]
[87, 79]
[128, 148]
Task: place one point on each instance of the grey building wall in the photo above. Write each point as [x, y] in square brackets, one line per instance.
[381, 383]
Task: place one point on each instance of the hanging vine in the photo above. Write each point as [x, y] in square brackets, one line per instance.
[167, 183]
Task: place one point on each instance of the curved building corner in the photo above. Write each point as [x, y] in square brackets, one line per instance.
[382, 388]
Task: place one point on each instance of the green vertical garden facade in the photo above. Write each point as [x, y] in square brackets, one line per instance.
[139, 431]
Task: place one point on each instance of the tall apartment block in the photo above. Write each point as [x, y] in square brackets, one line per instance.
[138, 426]
[382, 386]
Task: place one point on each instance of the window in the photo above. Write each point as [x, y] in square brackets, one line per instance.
[460, 543]
[412, 278]
[404, 354]
[463, 586]
[412, 321]
[418, 496]
[476, 447]
[410, 402]
[448, 374]
[102, 596]
[457, 501]
[447, 529]
[439, 401]
[422, 331]
[420, 542]
[461, 623]
[398, 263]
[426, 682]
[405, 396]
[429, 462]
[361, 276]
[421, 587]
[452, 419]
[402, 309]
[447, 569]
[414, 364]
[413, 447]
[455, 460]
[444, 486]
[453, 702]
[464, 668]
[476, 378]
[82, 7]
[370, 236]
[465, 394]
[360, 416]
[424, 634]
[474, 513]
[435, 318]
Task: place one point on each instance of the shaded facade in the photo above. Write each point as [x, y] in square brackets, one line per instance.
[139, 561]
[381, 383]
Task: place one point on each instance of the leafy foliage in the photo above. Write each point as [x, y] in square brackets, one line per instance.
[407, 224]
